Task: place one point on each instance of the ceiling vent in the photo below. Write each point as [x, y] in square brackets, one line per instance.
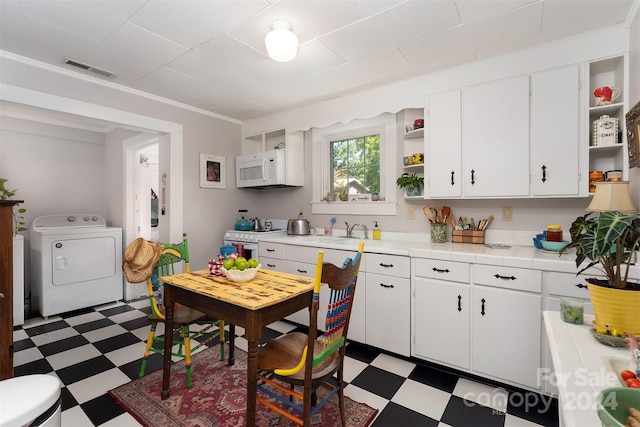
[86, 67]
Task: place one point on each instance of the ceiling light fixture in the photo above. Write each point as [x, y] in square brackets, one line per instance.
[281, 42]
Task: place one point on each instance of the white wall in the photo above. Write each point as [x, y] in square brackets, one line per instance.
[634, 93]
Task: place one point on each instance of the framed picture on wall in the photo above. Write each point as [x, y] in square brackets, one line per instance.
[211, 171]
[633, 135]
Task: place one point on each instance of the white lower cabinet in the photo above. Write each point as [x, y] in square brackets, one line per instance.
[506, 324]
[441, 320]
[388, 298]
[388, 320]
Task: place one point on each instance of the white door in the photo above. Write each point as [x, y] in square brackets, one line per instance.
[441, 322]
[555, 132]
[505, 335]
[443, 146]
[495, 139]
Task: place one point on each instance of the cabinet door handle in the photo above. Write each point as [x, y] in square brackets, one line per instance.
[271, 265]
[497, 276]
[580, 285]
[482, 309]
[459, 303]
[386, 265]
[437, 270]
[386, 286]
[270, 250]
[452, 181]
[302, 271]
[473, 177]
[544, 173]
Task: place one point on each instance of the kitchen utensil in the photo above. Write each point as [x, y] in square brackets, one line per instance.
[257, 224]
[299, 227]
[429, 214]
[438, 213]
[553, 246]
[446, 213]
[243, 224]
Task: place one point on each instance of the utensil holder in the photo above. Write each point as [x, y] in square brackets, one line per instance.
[467, 236]
[438, 233]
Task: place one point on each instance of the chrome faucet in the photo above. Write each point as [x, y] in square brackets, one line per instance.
[366, 231]
[350, 229]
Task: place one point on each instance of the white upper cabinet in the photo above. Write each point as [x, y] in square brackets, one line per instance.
[443, 145]
[555, 132]
[495, 139]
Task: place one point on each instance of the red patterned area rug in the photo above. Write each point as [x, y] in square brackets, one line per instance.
[217, 398]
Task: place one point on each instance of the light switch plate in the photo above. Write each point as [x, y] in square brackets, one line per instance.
[507, 214]
[411, 213]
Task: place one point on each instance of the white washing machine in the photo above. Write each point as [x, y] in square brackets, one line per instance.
[76, 262]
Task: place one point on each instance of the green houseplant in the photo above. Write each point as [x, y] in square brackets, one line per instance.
[610, 241]
[18, 212]
[412, 181]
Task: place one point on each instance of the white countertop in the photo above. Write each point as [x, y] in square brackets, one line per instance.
[582, 368]
[419, 246]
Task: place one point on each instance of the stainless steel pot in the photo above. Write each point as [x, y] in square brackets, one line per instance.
[299, 227]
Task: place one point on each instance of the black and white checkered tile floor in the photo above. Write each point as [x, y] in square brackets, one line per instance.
[94, 350]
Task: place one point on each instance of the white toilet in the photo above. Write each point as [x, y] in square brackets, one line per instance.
[30, 400]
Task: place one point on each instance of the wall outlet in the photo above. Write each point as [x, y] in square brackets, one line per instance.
[411, 213]
[507, 214]
[301, 212]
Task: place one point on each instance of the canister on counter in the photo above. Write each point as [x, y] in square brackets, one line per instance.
[594, 178]
[554, 233]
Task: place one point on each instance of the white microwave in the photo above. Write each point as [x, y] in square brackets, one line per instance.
[266, 169]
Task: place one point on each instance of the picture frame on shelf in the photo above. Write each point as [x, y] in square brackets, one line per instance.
[212, 171]
[633, 135]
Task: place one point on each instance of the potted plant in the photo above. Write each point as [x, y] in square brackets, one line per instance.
[610, 241]
[18, 212]
[412, 181]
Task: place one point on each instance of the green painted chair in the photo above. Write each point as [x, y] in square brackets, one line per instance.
[305, 360]
[184, 317]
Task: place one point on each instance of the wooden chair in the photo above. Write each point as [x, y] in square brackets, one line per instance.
[306, 360]
[184, 316]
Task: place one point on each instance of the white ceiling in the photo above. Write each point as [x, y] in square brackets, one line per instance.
[211, 54]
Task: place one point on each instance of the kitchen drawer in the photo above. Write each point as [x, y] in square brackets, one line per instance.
[300, 268]
[392, 265]
[508, 277]
[444, 270]
[272, 263]
[567, 285]
[309, 255]
[271, 250]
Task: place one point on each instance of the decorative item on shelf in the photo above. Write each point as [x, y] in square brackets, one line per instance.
[418, 124]
[408, 128]
[606, 95]
[605, 131]
[418, 158]
[610, 242]
[330, 197]
[613, 175]
[413, 182]
[594, 178]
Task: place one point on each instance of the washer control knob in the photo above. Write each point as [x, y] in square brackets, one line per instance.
[71, 218]
[86, 219]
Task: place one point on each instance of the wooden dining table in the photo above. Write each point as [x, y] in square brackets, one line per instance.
[270, 296]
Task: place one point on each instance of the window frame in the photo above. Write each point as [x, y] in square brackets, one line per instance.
[385, 126]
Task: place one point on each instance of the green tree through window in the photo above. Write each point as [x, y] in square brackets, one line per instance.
[356, 165]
